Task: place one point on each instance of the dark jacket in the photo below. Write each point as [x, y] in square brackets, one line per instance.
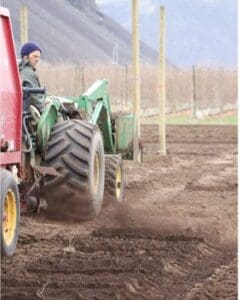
[30, 79]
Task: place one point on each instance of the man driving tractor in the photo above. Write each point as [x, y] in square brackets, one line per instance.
[30, 56]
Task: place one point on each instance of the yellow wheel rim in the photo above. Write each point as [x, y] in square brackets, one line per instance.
[9, 217]
[96, 173]
[118, 182]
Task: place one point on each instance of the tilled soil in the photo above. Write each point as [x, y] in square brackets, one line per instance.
[175, 237]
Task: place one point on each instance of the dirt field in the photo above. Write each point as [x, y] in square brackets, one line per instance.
[175, 238]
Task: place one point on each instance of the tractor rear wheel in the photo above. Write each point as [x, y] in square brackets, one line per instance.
[10, 213]
[114, 178]
[75, 150]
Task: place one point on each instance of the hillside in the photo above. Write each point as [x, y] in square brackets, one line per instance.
[199, 32]
[74, 30]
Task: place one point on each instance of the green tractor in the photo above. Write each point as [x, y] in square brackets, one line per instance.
[74, 151]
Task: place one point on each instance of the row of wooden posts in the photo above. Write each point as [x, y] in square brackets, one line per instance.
[136, 72]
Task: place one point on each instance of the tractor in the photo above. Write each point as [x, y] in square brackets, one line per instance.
[66, 159]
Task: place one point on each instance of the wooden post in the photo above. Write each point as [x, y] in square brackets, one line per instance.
[136, 76]
[221, 87]
[77, 81]
[162, 84]
[126, 86]
[83, 79]
[175, 94]
[23, 24]
[194, 98]
[122, 89]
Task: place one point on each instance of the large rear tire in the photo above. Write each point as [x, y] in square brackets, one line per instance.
[114, 178]
[75, 150]
[10, 213]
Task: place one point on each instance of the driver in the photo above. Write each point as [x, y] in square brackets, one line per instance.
[30, 56]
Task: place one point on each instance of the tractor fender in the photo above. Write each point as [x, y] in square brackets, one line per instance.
[46, 122]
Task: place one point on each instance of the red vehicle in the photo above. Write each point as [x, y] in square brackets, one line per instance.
[10, 136]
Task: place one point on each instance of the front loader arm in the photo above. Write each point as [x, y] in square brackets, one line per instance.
[95, 103]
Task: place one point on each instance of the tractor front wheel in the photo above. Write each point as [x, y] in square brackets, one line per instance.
[114, 178]
[10, 213]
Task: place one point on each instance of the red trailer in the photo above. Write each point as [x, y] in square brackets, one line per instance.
[10, 136]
